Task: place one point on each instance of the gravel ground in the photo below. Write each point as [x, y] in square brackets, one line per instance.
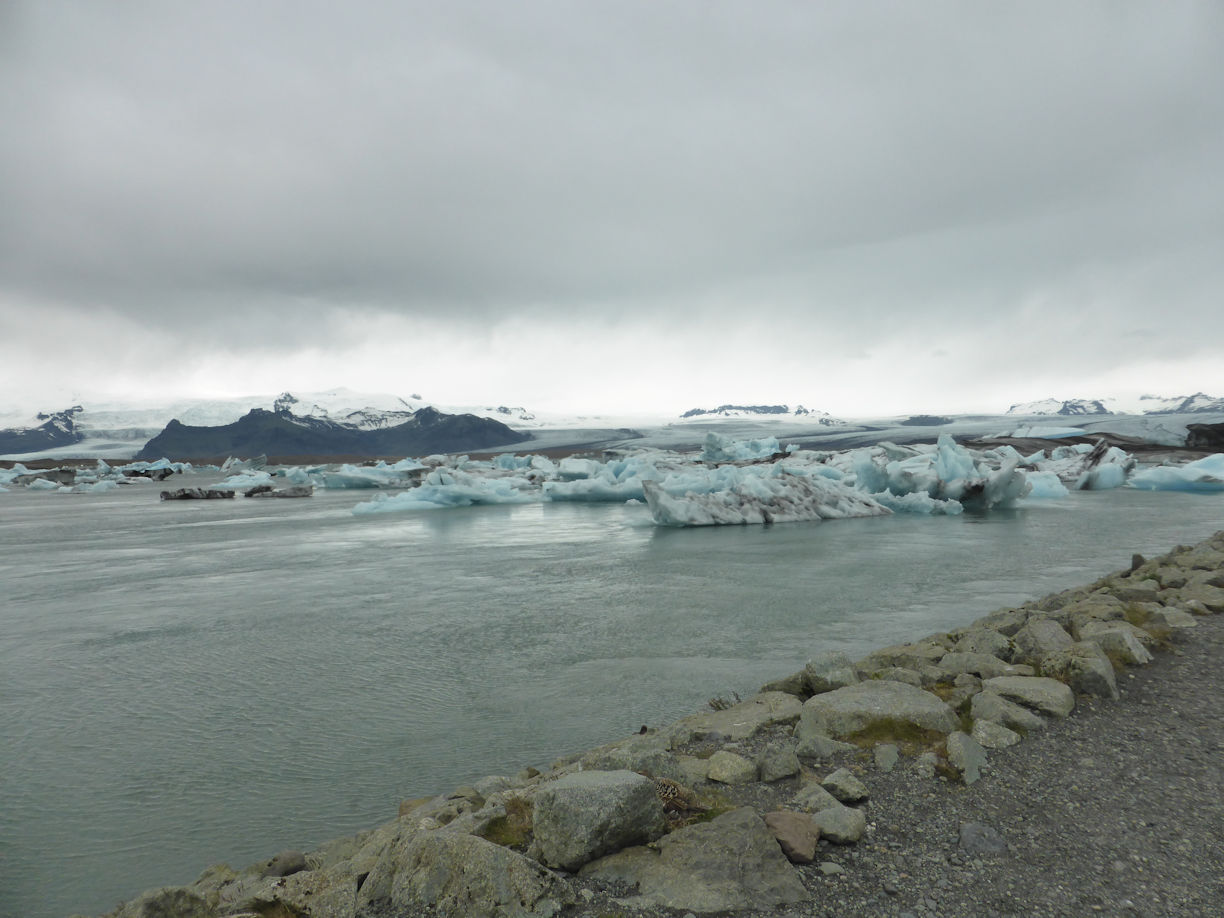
[1117, 810]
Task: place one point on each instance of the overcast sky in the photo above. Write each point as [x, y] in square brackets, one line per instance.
[864, 207]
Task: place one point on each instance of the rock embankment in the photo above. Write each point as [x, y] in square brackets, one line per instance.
[942, 777]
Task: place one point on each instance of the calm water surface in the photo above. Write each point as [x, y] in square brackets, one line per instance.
[188, 683]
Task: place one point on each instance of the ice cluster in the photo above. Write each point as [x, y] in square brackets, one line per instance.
[726, 482]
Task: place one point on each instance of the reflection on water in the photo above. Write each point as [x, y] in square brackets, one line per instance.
[182, 683]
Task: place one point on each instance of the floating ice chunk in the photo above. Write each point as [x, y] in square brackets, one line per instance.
[250, 479]
[1045, 486]
[724, 449]
[1204, 475]
[453, 488]
[572, 468]
[918, 502]
[602, 488]
[358, 477]
[98, 487]
[760, 498]
[41, 484]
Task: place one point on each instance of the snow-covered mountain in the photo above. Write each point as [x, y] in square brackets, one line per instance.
[762, 411]
[1145, 404]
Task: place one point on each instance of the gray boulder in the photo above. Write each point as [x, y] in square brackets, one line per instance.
[876, 707]
[778, 760]
[1119, 640]
[997, 709]
[1084, 667]
[732, 862]
[845, 786]
[813, 798]
[460, 876]
[738, 722]
[828, 671]
[994, 736]
[1039, 638]
[978, 664]
[730, 768]
[587, 814]
[167, 902]
[1048, 696]
[985, 640]
[842, 825]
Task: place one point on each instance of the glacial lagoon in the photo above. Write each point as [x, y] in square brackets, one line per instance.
[188, 683]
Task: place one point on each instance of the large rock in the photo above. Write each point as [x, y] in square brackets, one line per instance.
[997, 709]
[842, 825]
[979, 664]
[727, 767]
[168, 902]
[985, 640]
[1040, 693]
[1084, 667]
[828, 671]
[460, 876]
[1212, 597]
[777, 761]
[1119, 640]
[907, 656]
[647, 754]
[1039, 638]
[732, 862]
[738, 722]
[966, 755]
[889, 709]
[585, 815]
[845, 786]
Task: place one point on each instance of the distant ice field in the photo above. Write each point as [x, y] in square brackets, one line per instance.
[188, 683]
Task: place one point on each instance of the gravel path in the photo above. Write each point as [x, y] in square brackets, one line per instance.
[1117, 810]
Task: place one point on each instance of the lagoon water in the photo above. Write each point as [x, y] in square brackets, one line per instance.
[195, 682]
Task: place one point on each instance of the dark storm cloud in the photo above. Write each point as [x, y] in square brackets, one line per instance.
[887, 164]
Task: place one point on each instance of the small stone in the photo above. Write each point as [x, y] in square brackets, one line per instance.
[831, 868]
[978, 839]
[813, 798]
[994, 736]
[845, 786]
[886, 757]
[966, 755]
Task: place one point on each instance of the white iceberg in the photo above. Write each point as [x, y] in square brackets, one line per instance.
[1203, 475]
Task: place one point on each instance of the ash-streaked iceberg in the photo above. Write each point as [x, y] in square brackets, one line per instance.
[760, 495]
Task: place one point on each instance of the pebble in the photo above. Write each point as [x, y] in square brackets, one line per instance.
[831, 868]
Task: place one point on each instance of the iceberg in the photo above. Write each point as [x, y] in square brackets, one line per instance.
[1202, 475]
[444, 488]
[724, 449]
[770, 497]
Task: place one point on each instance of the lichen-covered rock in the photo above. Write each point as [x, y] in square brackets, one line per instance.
[1084, 667]
[1048, 696]
[732, 862]
[978, 664]
[876, 706]
[910, 656]
[587, 814]
[459, 876]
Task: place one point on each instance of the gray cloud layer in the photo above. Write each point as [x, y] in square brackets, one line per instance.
[892, 169]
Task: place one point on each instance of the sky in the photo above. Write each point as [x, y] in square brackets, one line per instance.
[863, 207]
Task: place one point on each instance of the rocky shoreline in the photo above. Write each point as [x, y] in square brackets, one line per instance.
[1058, 758]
